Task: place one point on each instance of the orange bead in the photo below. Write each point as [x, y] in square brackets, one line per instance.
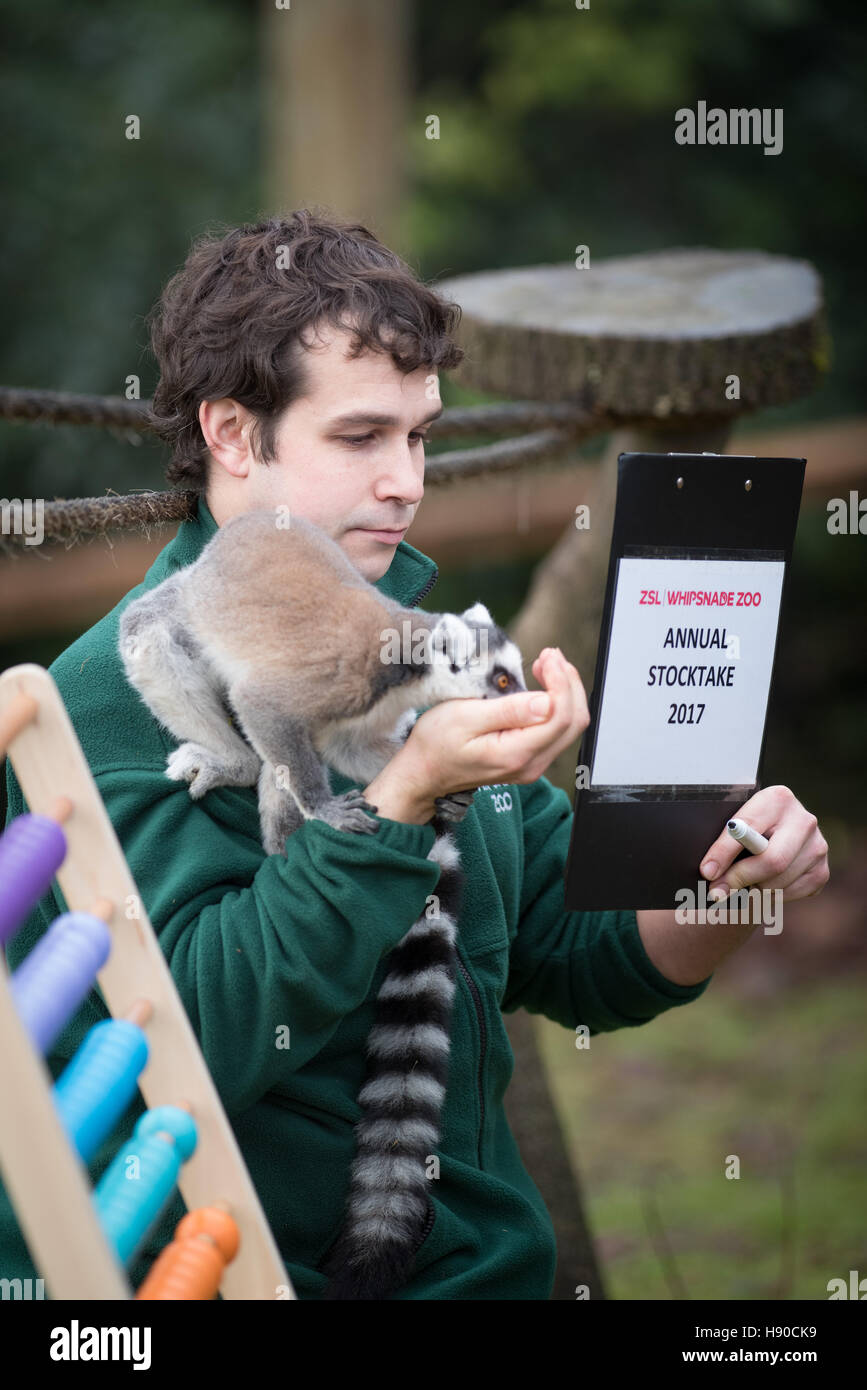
[213, 1222]
[186, 1269]
[206, 1240]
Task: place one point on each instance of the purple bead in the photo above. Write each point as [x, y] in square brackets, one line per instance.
[57, 974]
[31, 851]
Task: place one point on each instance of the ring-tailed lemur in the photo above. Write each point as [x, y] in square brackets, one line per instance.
[274, 625]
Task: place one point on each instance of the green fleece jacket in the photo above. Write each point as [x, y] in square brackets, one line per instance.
[257, 943]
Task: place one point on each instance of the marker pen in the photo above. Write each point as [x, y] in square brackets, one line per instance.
[750, 839]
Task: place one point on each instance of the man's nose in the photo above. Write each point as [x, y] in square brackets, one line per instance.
[403, 474]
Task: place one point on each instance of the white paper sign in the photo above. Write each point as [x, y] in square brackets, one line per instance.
[688, 673]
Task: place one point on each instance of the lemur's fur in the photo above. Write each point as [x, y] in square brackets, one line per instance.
[274, 626]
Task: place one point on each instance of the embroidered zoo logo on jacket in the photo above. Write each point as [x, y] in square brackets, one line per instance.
[502, 801]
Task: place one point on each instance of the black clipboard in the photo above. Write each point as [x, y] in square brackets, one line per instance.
[633, 844]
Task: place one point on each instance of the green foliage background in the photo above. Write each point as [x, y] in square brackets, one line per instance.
[557, 128]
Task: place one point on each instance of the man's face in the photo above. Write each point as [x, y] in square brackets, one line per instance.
[349, 454]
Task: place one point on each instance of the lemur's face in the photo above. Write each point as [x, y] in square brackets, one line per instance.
[474, 658]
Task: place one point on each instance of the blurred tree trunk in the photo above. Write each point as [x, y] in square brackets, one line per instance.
[535, 1124]
[337, 81]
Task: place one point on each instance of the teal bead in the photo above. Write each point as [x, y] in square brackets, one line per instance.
[177, 1122]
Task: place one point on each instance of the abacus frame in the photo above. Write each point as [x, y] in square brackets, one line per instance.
[47, 1182]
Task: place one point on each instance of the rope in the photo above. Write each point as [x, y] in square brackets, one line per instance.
[506, 454]
[70, 520]
[552, 428]
[66, 408]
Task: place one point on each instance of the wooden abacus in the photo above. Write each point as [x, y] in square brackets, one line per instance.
[81, 1239]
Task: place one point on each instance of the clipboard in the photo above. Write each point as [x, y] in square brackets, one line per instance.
[697, 581]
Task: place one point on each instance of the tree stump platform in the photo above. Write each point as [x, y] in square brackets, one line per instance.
[655, 335]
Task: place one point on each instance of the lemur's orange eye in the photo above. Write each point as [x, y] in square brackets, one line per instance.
[502, 681]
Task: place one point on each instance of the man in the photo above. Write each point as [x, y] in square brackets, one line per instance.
[298, 366]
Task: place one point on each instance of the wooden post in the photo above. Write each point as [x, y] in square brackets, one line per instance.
[336, 82]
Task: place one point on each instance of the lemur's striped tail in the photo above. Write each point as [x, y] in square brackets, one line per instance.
[401, 1099]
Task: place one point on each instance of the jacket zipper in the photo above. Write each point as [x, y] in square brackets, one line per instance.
[483, 1035]
[426, 590]
[426, 1228]
[420, 1239]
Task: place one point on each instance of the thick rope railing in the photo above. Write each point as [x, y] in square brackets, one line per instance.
[66, 408]
[550, 429]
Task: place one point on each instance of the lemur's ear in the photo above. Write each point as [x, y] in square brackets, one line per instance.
[452, 636]
[477, 614]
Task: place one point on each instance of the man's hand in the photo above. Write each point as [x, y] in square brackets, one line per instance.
[462, 744]
[796, 859]
[459, 745]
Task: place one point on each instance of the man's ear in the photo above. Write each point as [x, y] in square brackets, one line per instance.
[226, 427]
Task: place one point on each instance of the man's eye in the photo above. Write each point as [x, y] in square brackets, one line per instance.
[415, 435]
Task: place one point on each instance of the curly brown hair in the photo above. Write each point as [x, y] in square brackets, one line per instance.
[231, 323]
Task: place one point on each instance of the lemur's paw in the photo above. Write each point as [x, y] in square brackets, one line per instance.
[348, 812]
[197, 765]
[204, 769]
[454, 806]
